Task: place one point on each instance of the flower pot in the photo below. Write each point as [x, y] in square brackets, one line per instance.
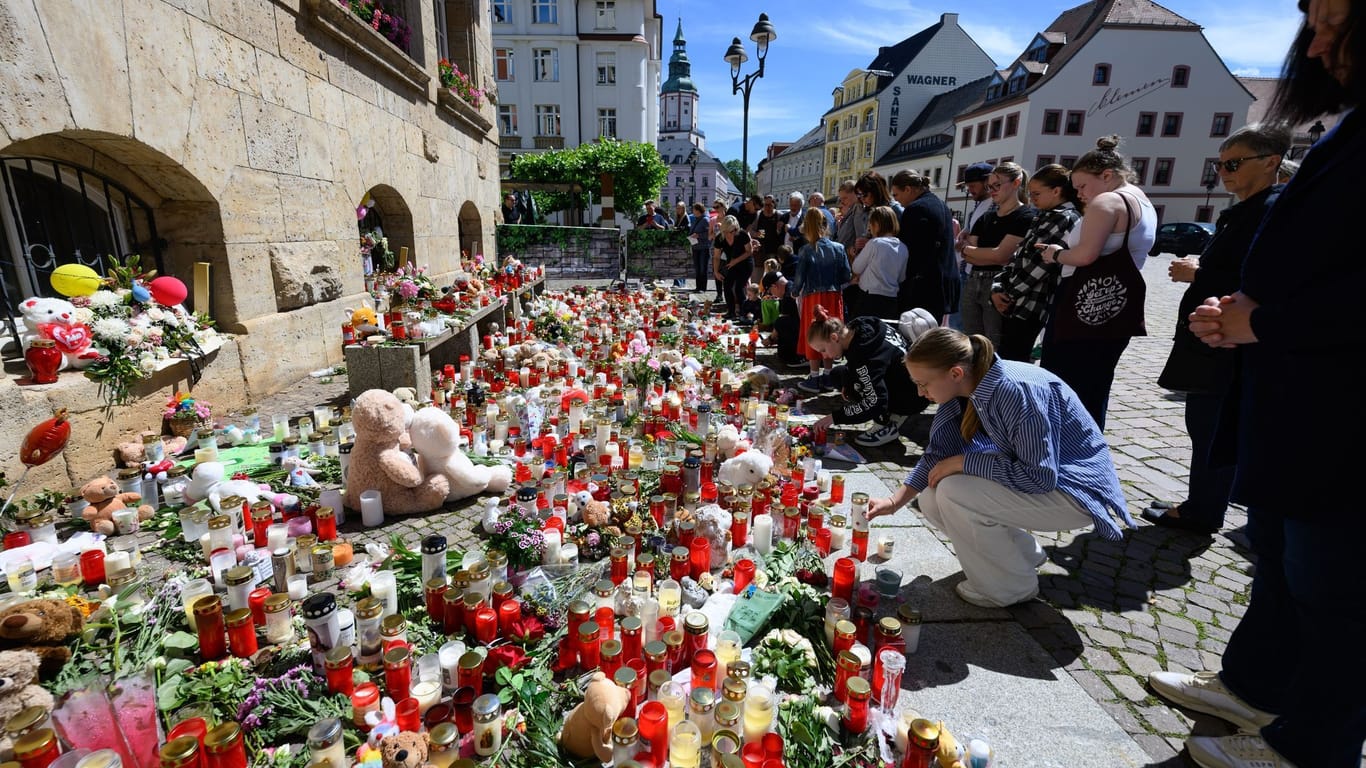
[181, 427]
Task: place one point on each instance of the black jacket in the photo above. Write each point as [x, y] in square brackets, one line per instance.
[874, 379]
[931, 273]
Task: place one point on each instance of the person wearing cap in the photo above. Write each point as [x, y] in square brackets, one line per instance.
[787, 326]
[975, 180]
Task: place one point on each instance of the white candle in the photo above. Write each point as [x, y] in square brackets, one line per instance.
[575, 416]
[823, 481]
[383, 587]
[277, 536]
[206, 547]
[670, 596]
[117, 561]
[604, 434]
[885, 546]
[761, 415]
[449, 658]
[763, 533]
[569, 554]
[614, 450]
[371, 508]
[552, 547]
[490, 415]
[427, 693]
[838, 536]
[322, 415]
[298, 586]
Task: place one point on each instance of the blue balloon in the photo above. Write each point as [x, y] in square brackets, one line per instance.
[140, 292]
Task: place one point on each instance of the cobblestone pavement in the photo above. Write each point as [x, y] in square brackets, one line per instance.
[1109, 612]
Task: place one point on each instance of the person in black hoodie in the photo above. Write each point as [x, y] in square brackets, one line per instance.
[874, 379]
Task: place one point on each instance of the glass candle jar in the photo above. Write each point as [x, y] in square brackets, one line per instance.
[910, 627]
[364, 700]
[656, 656]
[857, 693]
[685, 746]
[609, 654]
[470, 673]
[180, 752]
[701, 704]
[670, 597]
[845, 634]
[675, 702]
[224, 746]
[728, 715]
[847, 666]
[625, 740]
[369, 642]
[696, 630]
[241, 633]
[488, 725]
[589, 645]
[279, 625]
[66, 570]
[339, 666]
[38, 748]
[758, 711]
[393, 631]
[704, 667]
[324, 625]
[208, 616]
[240, 580]
[325, 742]
[654, 731]
[632, 631]
[674, 640]
[398, 673]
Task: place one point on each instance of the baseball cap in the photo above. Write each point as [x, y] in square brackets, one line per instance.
[769, 279]
[977, 172]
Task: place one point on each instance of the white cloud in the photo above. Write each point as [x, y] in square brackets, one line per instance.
[1248, 72]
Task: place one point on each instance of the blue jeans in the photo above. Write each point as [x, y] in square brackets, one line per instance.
[1298, 650]
[1208, 490]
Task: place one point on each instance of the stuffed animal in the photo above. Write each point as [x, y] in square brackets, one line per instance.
[587, 730]
[713, 524]
[949, 754]
[134, 452]
[379, 464]
[57, 319]
[365, 322]
[18, 675]
[435, 437]
[729, 442]
[749, 468]
[44, 627]
[404, 749]
[105, 499]
[207, 484]
[597, 513]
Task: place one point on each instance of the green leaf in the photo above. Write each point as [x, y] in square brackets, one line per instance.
[181, 644]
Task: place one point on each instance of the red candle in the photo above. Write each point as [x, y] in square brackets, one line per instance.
[657, 508]
[463, 703]
[739, 530]
[339, 666]
[699, 557]
[262, 516]
[454, 612]
[654, 731]
[843, 587]
[364, 699]
[485, 625]
[208, 618]
[256, 601]
[470, 673]
[638, 686]
[241, 633]
[704, 669]
[92, 568]
[744, 575]
[753, 755]
[407, 716]
[398, 673]
[686, 531]
[509, 612]
[606, 619]
[435, 594]
[858, 545]
[847, 665]
[589, 646]
[631, 646]
[855, 717]
[678, 564]
[327, 523]
[16, 539]
[620, 565]
[792, 523]
[773, 746]
[610, 657]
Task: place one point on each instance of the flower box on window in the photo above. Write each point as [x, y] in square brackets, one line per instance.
[467, 117]
[337, 19]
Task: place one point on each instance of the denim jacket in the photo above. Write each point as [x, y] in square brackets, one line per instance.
[822, 266]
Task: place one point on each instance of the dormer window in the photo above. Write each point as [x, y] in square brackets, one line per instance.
[1101, 75]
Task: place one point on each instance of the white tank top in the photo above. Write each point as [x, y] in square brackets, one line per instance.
[1142, 232]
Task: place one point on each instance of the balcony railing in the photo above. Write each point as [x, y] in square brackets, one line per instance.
[549, 142]
[510, 142]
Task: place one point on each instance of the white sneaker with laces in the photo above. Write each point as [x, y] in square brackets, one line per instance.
[1205, 692]
[1241, 750]
[880, 436]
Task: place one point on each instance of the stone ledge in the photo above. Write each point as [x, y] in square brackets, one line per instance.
[339, 22]
[467, 118]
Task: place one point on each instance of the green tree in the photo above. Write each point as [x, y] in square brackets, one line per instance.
[736, 170]
[638, 173]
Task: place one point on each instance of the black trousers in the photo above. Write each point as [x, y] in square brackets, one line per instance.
[1087, 366]
[737, 277]
[871, 305]
[701, 266]
[1017, 338]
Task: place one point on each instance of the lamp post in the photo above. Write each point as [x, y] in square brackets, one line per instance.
[1315, 132]
[1209, 190]
[692, 174]
[762, 34]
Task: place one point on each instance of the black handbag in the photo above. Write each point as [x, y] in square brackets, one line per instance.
[1104, 299]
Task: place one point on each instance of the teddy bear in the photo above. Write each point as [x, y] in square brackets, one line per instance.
[587, 729]
[207, 484]
[18, 675]
[379, 464]
[729, 442]
[133, 453]
[713, 524]
[404, 749]
[749, 468]
[105, 499]
[45, 627]
[597, 513]
[57, 319]
[364, 321]
[435, 437]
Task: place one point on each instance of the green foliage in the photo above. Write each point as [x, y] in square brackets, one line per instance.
[736, 170]
[517, 239]
[637, 170]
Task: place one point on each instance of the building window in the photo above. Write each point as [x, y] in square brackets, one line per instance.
[1171, 124]
[994, 92]
[996, 128]
[1204, 213]
[1101, 75]
[967, 137]
[607, 125]
[1017, 83]
[704, 181]
[607, 14]
[545, 65]
[547, 119]
[1140, 168]
[834, 155]
[867, 148]
[1075, 122]
[962, 171]
[1041, 161]
[1067, 161]
[607, 67]
[938, 175]
[502, 11]
[1209, 173]
[1181, 76]
[507, 119]
[545, 11]
[1162, 171]
[868, 120]
[502, 65]
[1052, 121]
[1220, 126]
[454, 42]
[1012, 123]
[981, 132]
[1146, 122]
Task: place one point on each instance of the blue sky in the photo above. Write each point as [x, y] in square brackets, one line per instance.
[820, 41]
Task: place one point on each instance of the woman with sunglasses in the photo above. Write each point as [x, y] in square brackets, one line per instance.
[993, 240]
[1293, 672]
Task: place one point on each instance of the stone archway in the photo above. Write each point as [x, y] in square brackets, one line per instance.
[471, 230]
[389, 212]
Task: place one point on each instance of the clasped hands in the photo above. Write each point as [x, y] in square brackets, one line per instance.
[1224, 322]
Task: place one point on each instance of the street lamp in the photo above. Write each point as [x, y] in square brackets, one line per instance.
[1315, 132]
[762, 34]
[692, 175]
[1209, 190]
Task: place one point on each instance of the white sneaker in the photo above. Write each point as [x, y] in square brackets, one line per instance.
[972, 596]
[879, 436]
[1241, 750]
[1205, 692]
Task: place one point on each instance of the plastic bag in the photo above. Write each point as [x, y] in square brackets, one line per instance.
[752, 612]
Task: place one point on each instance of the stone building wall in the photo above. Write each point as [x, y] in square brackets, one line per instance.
[253, 129]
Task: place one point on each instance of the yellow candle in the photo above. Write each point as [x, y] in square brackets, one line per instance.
[685, 748]
[671, 696]
[758, 712]
[727, 651]
[670, 595]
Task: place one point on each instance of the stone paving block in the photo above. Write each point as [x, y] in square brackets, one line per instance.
[1127, 686]
[1140, 664]
[1164, 719]
[1157, 747]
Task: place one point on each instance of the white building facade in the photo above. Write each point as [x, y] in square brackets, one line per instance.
[800, 167]
[695, 175]
[1125, 67]
[571, 71]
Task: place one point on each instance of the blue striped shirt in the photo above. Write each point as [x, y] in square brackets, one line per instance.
[1039, 439]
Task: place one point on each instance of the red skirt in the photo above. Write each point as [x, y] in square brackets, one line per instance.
[833, 302]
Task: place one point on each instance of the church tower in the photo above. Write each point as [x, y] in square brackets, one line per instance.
[678, 97]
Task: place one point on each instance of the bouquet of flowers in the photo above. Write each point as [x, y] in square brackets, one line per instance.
[184, 411]
[374, 251]
[518, 533]
[394, 28]
[460, 83]
[406, 285]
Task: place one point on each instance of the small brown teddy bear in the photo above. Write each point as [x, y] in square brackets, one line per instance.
[587, 729]
[134, 452]
[404, 750]
[43, 627]
[105, 499]
[379, 464]
[597, 513]
[18, 691]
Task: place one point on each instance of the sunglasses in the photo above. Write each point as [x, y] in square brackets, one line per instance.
[1233, 165]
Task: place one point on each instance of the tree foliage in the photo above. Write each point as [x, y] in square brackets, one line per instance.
[736, 170]
[637, 170]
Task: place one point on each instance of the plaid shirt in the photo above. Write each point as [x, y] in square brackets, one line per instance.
[1027, 280]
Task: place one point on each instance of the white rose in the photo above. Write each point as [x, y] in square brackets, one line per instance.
[134, 337]
[147, 365]
[155, 314]
[83, 316]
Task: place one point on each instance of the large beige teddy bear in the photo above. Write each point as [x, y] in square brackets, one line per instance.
[435, 437]
[19, 690]
[588, 728]
[377, 462]
[105, 499]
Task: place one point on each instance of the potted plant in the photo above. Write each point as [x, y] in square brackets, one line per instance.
[184, 412]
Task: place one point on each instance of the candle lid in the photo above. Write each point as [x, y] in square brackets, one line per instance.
[701, 700]
[319, 605]
[325, 731]
[845, 627]
[238, 618]
[589, 630]
[631, 624]
[219, 521]
[738, 669]
[444, 735]
[696, 623]
[25, 720]
[276, 603]
[206, 604]
[728, 712]
[624, 677]
[487, 706]
[325, 513]
[238, 575]
[434, 544]
[223, 735]
[656, 649]
[392, 625]
[908, 614]
[889, 625]
[926, 732]
[625, 731]
[471, 660]
[100, 758]
[659, 678]
[396, 656]
[175, 751]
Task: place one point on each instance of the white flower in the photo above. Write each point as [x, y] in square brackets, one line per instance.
[147, 364]
[104, 300]
[110, 329]
[83, 316]
[134, 337]
[155, 314]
